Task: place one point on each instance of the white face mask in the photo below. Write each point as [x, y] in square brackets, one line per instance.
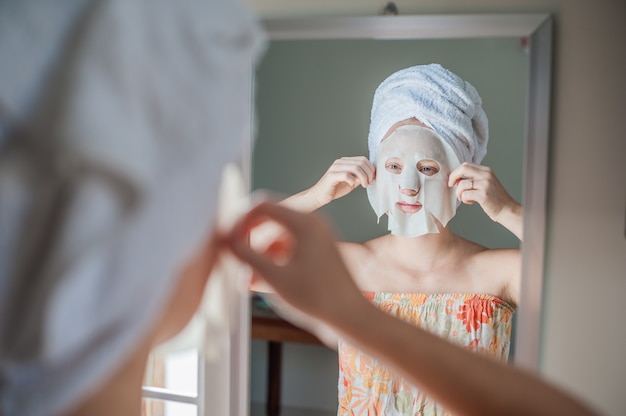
[412, 169]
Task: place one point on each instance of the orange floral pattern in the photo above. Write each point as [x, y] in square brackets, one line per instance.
[478, 322]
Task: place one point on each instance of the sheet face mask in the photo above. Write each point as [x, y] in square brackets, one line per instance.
[412, 169]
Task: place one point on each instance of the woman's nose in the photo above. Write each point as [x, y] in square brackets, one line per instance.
[409, 183]
[408, 191]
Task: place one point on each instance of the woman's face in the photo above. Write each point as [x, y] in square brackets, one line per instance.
[411, 186]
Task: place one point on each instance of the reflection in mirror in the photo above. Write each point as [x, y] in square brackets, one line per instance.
[313, 98]
[313, 106]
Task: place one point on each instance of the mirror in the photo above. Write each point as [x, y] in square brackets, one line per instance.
[314, 90]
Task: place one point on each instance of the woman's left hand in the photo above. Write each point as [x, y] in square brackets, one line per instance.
[477, 183]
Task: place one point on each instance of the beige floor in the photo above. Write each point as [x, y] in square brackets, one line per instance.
[257, 409]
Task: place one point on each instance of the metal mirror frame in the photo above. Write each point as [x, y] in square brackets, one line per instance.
[537, 28]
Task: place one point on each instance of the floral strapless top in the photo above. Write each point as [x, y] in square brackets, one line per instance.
[478, 322]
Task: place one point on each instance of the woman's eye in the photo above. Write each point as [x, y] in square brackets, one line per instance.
[428, 168]
[393, 167]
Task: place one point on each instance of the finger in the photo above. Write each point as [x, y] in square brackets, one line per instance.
[468, 196]
[365, 178]
[370, 171]
[267, 275]
[262, 265]
[349, 178]
[459, 193]
[464, 185]
[361, 168]
[458, 174]
[291, 220]
[466, 170]
[280, 251]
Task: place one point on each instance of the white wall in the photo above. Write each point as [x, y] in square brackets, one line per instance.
[584, 339]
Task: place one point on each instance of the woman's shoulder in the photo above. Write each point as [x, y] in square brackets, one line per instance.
[351, 250]
[497, 255]
[502, 267]
[485, 254]
[362, 259]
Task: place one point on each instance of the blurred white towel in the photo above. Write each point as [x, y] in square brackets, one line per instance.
[116, 120]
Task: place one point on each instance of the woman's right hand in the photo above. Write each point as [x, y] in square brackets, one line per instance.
[341, 178]
[302, 264]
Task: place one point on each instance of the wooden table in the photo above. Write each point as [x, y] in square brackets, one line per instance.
[266, 325]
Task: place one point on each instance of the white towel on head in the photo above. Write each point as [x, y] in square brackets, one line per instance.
[438, 98]
[111, 154]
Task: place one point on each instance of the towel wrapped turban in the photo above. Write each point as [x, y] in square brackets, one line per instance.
[438, 98]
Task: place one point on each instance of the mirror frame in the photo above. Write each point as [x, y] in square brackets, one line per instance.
[537, 28]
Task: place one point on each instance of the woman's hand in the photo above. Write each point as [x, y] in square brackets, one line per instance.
[341, 178]
[302, 264]
[477, 183]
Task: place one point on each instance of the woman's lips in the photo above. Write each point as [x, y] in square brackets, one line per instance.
[409, 208]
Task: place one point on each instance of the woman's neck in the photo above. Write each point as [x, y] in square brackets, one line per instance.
[425, 252]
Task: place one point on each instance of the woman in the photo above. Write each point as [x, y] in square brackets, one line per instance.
[428, 135]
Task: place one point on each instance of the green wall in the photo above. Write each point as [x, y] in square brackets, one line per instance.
[313, 104]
